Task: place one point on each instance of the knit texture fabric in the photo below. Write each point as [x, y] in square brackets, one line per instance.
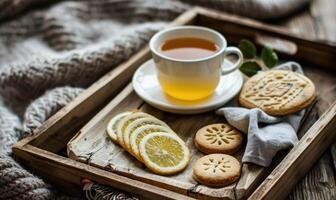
[50, 51]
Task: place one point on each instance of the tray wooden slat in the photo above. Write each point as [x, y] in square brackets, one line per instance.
[73, 172]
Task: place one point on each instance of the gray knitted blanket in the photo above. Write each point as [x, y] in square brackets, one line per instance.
[50, 51]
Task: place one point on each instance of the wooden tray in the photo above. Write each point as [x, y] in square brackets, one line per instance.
[45, 151]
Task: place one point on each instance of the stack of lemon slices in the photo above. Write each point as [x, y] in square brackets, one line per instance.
[150, 140]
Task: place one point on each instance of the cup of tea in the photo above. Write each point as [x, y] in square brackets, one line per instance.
[189, 60]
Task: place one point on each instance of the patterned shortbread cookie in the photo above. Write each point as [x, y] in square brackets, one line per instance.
[216, 170]
[218, 138]
[277, 92]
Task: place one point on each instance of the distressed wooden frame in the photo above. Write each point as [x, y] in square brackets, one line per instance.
[40, 151]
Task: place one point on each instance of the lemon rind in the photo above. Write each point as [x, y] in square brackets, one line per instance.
[133, 137]
[123, 122]
[164, 170]
[135, 123]
[109, 128]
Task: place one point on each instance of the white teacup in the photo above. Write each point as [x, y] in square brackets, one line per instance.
[192, 79]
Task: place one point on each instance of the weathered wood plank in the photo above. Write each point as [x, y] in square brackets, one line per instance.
[318, 23]
[324, 16]
[319, 183]
[333, 155]
[301, 24]
[73, 172]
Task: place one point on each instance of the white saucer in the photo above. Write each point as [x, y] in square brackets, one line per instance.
[147, 86]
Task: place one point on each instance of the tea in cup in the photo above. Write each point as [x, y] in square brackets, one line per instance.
[189, 61]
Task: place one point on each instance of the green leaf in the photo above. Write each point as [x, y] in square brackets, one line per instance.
[247, 48]
[250, 68]
[269, 57]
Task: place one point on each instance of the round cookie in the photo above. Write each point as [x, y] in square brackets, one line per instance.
[216, 170]
[218, 138]
[277, 92]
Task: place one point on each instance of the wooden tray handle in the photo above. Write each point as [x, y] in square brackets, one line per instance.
[279, 45]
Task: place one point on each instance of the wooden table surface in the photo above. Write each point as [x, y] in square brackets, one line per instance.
[318, 22]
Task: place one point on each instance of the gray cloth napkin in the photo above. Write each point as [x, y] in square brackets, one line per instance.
[266, 135]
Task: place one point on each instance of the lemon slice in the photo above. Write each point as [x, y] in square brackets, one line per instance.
[164, 153]
[137, 124]
[111, 128]
[125, 122]
[139, 133]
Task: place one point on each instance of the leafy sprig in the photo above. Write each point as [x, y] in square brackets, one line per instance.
[247, 48]
[250, 65]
